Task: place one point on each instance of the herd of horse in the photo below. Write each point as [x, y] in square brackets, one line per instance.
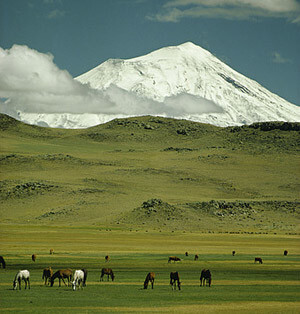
[79, 277]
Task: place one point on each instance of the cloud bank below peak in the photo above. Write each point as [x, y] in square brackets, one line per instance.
[30, 82]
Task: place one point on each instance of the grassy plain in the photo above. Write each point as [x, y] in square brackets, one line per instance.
[141, 189]
[238, 284]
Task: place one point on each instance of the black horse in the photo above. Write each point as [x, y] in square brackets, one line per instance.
[205, 278]
[85, 276]
[174, 276]
[2, 262]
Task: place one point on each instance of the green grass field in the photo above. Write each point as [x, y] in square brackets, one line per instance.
[140, 190]
[237, 283]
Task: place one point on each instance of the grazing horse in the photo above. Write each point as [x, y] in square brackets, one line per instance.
[33, 257]
[174, 258]
[150, 277]
[233, 253]
[174, 276]
[2, 262]
[196, 257]
[108, 272]
[85, 272]
[205, 277]
[258, 259]
[285, 253]
[78, 279]
[107, 258]
[61, 274]
[22, 275]
[51, 251]
[47, 274]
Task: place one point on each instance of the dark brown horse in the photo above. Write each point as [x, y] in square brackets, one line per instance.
[61, 274]
[174, 259]
[174, 277]
[107, 258]
[150, 277]
[2, 262]
[233, 253]
[205, 277]
[258, 259]
[108, 272]
[285, 253]
[196, 257]
[186, 253]
[47, 274]
[85, 276]
[33, 257]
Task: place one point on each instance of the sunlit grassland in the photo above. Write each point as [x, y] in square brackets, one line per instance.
[237, 281]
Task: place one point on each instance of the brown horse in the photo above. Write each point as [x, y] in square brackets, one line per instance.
[233, 253]
[47, 274]
[174, 276]
[150, 277]
[258, 259]
[33, 257]
[2, 262]
[107, 258]
[196, 257]
[51, 251]
[108, 272]
[285, 253]
[61, 274]
[186, 253]
[205, 277]
[174, 258]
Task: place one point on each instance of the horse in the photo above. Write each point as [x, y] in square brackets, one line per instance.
[205, 277]
[47, 274]
[150, 277]
[2, 262]
[33, 257]
[174, 276]
[22, 275]
[61, 274]
[85, 272]
[51, 251]
[186, 253]
[196, 257]
[78, 279]
[258, 259]
[107, 258]
[108, 272]
[233, 253]
[285, 253]
[174, 258]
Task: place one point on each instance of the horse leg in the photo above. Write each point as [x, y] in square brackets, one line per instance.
[62, 278]
[152, 283]
[19, 280]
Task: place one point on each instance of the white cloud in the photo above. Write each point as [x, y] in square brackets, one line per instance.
[175, 10]
[278, 58]
[30, 82]
[55, 14]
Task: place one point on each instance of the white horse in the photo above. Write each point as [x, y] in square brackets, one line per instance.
[78, 279]
[22, 275]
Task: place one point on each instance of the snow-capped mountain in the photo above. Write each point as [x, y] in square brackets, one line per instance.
[184, 82]
[190, 69]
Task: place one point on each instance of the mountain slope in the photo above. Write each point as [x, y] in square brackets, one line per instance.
[190, 69]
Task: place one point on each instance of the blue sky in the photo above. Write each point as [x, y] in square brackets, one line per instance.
[258, 38]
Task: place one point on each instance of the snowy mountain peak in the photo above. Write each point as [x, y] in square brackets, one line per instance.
[188, 69]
